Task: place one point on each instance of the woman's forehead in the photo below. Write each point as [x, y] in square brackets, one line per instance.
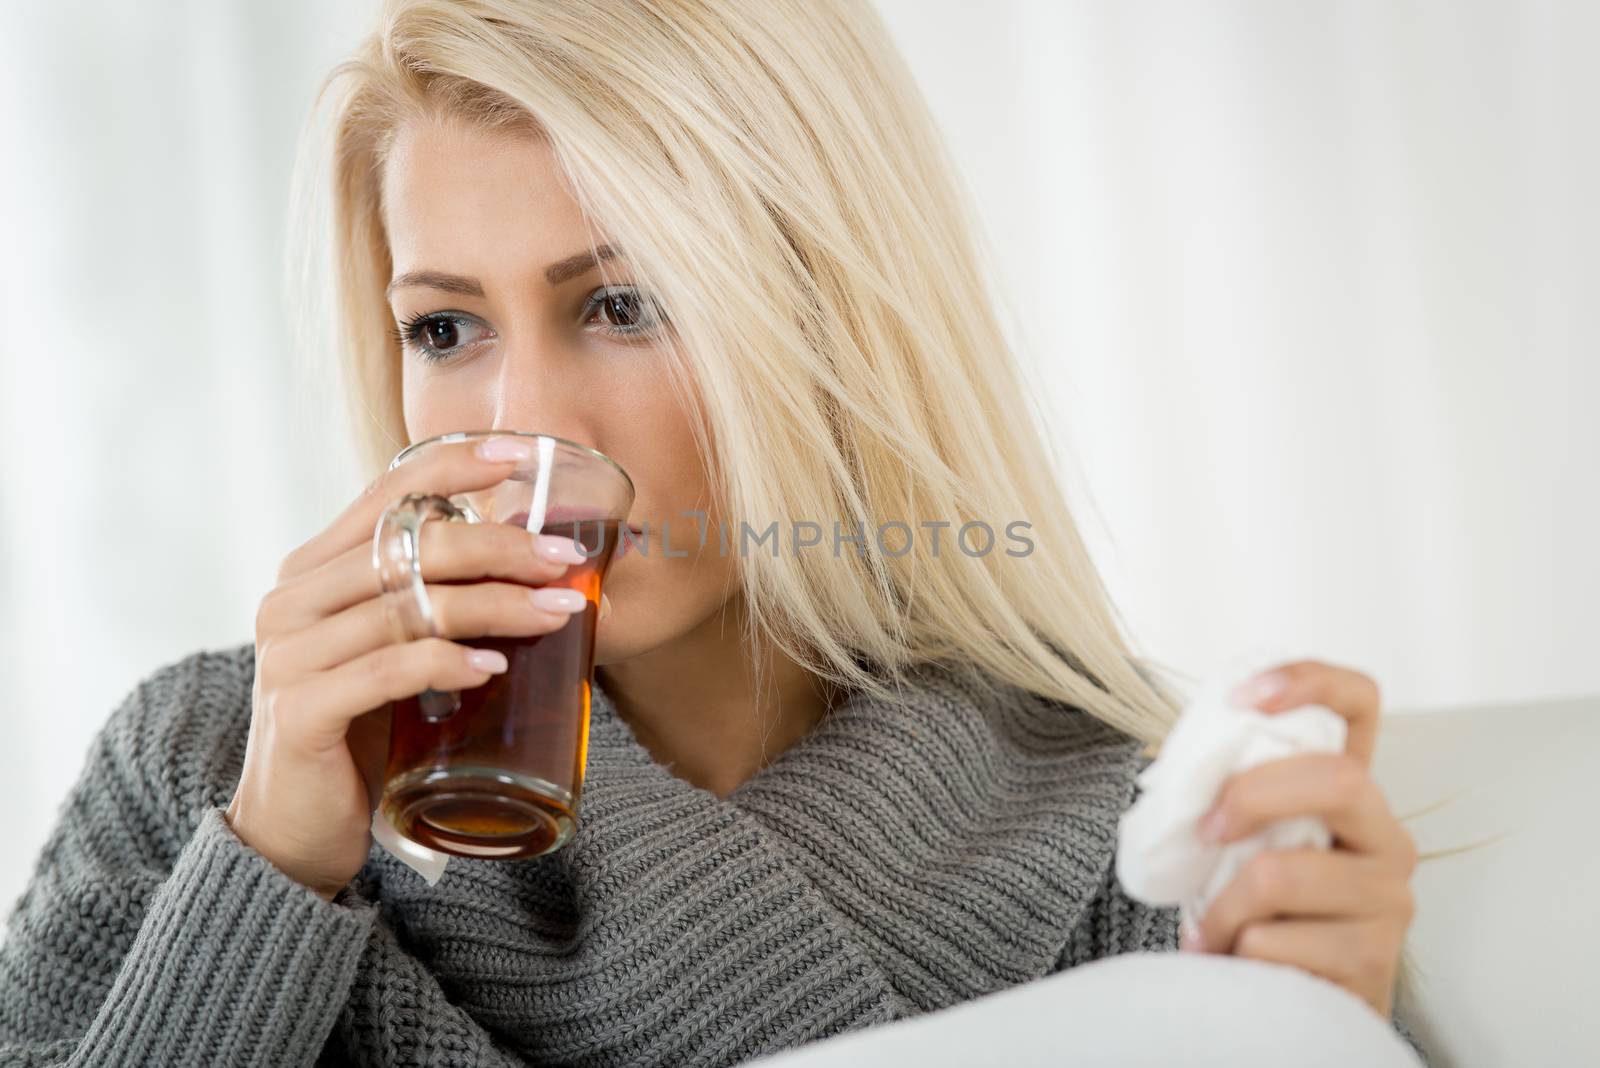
[464, 200]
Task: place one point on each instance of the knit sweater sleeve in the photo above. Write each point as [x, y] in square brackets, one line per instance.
[148, 932]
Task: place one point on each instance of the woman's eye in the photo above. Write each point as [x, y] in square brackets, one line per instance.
[439, 335]
[622, 311]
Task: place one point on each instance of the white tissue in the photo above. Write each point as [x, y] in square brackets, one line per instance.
[428, 863]
[1160, 860]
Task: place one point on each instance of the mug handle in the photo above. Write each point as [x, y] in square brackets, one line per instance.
[395, 555]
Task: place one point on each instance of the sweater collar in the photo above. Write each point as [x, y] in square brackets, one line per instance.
[904, 856]
[954, 835]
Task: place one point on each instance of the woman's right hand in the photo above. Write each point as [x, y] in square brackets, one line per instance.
[328, 663]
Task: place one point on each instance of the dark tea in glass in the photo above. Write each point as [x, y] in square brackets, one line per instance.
[502, 776]
[496, 771]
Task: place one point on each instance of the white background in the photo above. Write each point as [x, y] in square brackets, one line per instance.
[1308, 289]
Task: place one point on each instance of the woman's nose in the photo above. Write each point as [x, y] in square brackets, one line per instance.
[541, 396]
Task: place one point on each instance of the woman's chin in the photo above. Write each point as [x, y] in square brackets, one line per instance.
[616, 640]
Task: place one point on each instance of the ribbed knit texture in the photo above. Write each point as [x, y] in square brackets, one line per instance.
[905, 856]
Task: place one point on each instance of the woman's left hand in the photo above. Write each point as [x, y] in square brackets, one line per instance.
[1340, 913]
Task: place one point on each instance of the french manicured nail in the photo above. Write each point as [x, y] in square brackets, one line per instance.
[498, 450]
[605, 606]
[555, 547]
[1189, 939]
[489, 660]
[556, 599]
[1263, 687]
[1211, 826]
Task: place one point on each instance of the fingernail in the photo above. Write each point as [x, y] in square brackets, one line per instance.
[605, 606]
[497, 450]
[1210, 828]
[490, 660]
[1189, 939]
[557, 599]
[555, 547]
[1263, 687]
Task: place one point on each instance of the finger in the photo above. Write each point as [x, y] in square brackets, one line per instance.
[1359, 955]
[313, 714]
[443, 470]
[481, 609]
[447, 551]
[1351, 694]
[1331, 785]
[1300, 884]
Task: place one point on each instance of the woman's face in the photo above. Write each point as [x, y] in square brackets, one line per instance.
[513, 329]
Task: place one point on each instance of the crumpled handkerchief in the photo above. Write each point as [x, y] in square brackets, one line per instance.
[428, 863]
[1160, 860]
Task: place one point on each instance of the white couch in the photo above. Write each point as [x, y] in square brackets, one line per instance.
[1506, 936]
[1505, 944]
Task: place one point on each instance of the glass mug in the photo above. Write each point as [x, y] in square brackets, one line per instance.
[496, 772]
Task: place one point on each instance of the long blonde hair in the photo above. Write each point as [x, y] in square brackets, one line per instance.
[776, 181]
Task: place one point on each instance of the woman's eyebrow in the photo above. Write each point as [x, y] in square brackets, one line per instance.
[558, 272]
[448, 283]
[577, 264]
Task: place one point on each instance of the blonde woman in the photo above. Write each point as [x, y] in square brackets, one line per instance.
[829, 786]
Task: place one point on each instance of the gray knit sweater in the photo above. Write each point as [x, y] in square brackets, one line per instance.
[902, 858]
